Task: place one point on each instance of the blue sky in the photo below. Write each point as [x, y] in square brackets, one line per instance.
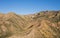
[28, 6]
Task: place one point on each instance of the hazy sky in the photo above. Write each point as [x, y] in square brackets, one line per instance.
[28, 6]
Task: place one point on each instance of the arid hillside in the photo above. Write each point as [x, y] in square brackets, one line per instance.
[45, 24]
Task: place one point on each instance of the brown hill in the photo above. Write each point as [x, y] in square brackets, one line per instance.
[45, 24]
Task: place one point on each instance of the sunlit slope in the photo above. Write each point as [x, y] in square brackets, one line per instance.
[45, 24]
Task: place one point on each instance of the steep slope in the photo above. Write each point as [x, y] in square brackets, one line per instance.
[45, 24]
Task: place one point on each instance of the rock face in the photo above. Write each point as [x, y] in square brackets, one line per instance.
[45, 24]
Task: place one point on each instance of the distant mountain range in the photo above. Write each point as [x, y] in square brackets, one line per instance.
[45, 24]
